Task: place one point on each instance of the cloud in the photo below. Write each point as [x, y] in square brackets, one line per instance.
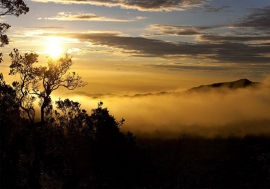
[231, 113]
[142, 5]
[90, 95]
[239, 38]
[210, 68]
[209, 46]
[45, 27]
[232, 52]
[208, 8]
[63, 16]
[158, 30]
[100, 95]
[258, 20]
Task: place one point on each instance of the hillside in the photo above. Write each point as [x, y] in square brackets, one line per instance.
[241, 83]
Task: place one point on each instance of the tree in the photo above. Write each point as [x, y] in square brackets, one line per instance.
[54, 76]
[9, 7]
[3, 29]
[13, 7]
[8, 100]
[41, 81]
[10, 121]
[23, 66]
[72, 118]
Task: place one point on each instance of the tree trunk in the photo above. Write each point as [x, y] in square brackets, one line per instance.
[45, 103]
[42, 114]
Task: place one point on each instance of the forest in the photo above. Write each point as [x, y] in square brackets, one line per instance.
[67, 147]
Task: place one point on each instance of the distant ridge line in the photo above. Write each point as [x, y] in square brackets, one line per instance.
[241, 83]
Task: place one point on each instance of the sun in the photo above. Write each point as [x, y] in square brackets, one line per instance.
[54, 47]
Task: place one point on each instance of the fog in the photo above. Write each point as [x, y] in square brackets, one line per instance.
[221, 112]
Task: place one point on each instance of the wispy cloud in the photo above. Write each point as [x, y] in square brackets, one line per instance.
[259, 19]
[209, 8]
[211, 68]
[233, 38]
[64, 16]
[157, 30]
[142, 5]
[46, 27]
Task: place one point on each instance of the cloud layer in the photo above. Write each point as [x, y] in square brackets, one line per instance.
[233, 113]
[158, 29]
[259, 19]
[245, 42]
[63, 16]
[142, 5]
[232, 52]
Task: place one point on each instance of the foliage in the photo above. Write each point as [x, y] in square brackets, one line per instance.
[23, 66]
[9, 7]
[13, 7]
[3, 37]
[40, 82]
[69, 142]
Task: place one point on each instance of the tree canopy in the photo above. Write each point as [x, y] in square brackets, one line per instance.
[39, 82]
[13, 7]
[9, 7]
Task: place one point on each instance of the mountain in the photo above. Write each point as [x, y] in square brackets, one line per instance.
[241, 83]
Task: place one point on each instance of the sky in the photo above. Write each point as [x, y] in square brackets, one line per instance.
[127, 48]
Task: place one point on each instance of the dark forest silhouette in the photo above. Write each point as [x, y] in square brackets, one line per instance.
[69, 148]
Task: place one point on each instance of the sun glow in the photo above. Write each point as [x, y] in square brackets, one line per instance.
[54, 47]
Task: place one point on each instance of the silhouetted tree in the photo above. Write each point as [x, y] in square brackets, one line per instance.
[11, 124]
[8, 101]
[41, 81]
[4, 39]
[73, 118]
[54, 76]
[13, 141]
[23, 66]
[13, 7]
[9, 7]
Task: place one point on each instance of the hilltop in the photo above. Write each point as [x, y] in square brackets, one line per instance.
[241, 83]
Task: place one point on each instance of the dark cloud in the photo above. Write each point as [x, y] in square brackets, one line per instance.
[144, 47]
[242, 38]
[161, 4]
[259, 20]
[86, 16]
[208, 8]
[143, 5]
[158, 29]
[197, 68]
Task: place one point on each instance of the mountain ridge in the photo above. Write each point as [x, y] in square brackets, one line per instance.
[241, 83]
